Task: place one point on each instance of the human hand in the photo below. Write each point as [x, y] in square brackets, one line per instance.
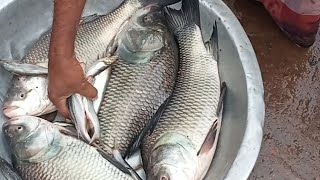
[65, 78]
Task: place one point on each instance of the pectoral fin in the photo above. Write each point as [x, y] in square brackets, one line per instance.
[113, 161]
[212, 136]
[149, 127]
[23, 68]
[208, 148]
[67, 129]
[100, 65]
[120, 163]
[86, 19]
[212, 45]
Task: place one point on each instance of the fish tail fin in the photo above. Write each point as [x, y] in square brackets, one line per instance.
[212, 45]
[161, 3]
[189, 14]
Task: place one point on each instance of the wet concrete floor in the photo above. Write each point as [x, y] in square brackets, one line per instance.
[291, 141]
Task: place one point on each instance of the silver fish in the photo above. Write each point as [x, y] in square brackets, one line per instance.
[42, 151]
[184, 141]
[141, 81]
[83, 111]
[94, 35]
[7, 172]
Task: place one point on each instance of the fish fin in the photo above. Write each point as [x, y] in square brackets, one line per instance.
[113, 161]
[101, 65]
[49, 117]
[223, 92]
[113, 45]
[155, 119]
[210, 139]
[118, 162]
[20, 68]
[135, 161]
[59, 118]
[208, 148]
[149, 127]
[212, 45]
[67, 129]
[117, 155]
[212, 136]
[161, 3]
[189, 14]
[89, 18]
[7, 171]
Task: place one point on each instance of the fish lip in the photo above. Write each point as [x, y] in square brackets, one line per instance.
[7, 110]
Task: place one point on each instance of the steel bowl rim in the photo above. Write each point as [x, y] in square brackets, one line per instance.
[250, 146]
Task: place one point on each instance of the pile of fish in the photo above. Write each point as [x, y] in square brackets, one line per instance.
[159, 107]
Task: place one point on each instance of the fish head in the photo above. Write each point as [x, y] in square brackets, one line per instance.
[143, 36]
[27, 95]
[172, 158]
[29, 137]
[151, 16]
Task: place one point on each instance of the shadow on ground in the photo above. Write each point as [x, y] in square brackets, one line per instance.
[291, 142]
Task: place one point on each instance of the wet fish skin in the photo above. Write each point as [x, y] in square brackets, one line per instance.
[41, 151]
[141, 81]
[7, 172]
[93, 37]
[184, 141]
[27, 95]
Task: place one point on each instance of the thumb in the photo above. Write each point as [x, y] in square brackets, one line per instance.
[88, 90]
[62, 108]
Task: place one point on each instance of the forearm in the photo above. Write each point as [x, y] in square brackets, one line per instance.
[67, 15]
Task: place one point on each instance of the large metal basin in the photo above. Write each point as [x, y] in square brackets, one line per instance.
[23, 21]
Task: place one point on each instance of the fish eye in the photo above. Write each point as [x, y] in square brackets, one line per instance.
[18, 129]
[22, 95]
[147, 18]
[164, 178]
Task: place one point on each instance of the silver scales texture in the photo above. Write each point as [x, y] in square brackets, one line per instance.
[76, 161]
[92, 39]
[192, 109]
[133, 95]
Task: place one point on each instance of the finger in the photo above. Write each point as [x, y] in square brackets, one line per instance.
[88, 90]
[62, 108]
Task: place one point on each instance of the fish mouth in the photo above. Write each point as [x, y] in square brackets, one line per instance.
[19, 124]
[13, 111]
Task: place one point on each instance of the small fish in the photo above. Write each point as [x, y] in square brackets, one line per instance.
[7, 172]
[92, 42]
[42, 150]
[82, 110]
[183, 142]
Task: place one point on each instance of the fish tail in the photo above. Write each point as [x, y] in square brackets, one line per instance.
[161, 3]
[189, 14]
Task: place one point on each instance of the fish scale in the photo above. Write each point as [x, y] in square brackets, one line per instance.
[192, 108]
[95, 34]
[92, 38]
[75, 161]
[133, 95]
